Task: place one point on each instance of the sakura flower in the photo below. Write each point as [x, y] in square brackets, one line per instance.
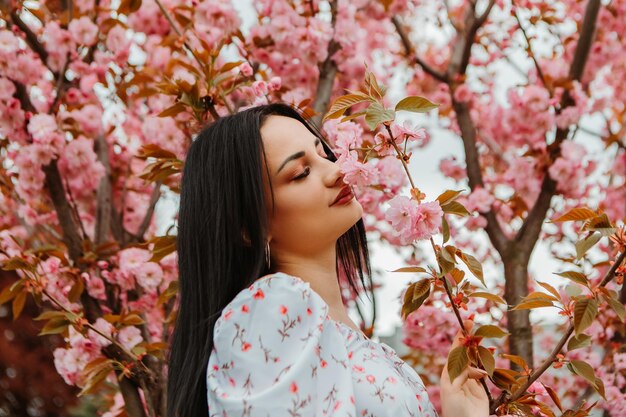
[129, 337]
[83, 31]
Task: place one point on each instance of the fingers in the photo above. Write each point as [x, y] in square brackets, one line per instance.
[460, 380]
[476, 373]
[469, 373]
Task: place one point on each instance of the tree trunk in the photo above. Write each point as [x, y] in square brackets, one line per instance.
[518, 321]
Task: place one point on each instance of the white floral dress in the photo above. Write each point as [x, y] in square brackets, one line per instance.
[277, 353]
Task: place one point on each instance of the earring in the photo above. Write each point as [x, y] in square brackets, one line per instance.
[267, 254]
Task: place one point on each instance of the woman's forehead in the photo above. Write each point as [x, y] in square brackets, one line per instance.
[283, 136]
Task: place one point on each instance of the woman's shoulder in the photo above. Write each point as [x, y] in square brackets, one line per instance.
[272, 298]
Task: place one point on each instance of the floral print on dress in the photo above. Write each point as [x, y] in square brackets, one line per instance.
[277, 353]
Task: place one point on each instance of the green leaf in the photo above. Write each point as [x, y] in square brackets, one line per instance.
[487, 359]
[583, 369]
[416, 104]
[598, 385]
[132, 320]
[410, 269]
[454, 207]
[420, 288]
[353, 115]
[445, 229]
[493, 297]
[539, 295]
[343, 103]
[518, 360]
[50, 314]
[173, 110]
[550, 289]
[9, 292]
[474, 266]
[554, 396]
[55, 326]
[585, 311]
[410, 303]
[582, 213]
[457, 275]
[579, 341]
[527, 305]
[372, 84]
[617, 306]
[490, 331]
[77, 290]
[18, 304]
[583, 245]
[445, 266]
[447, 196]
[577, 277]
[457, 362]
[377, 114]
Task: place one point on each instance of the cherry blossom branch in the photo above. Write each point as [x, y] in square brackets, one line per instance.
[91, 327]
[530, 49]
[610, 274]
[531, 228]
[327, 73]
[104, 192]
[462, 49]
[401, 156]
[457, 313]
[458, 66]
[408, 48]
[173, 25]
[145, 223]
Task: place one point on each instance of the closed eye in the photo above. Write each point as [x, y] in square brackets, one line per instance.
[307, 170]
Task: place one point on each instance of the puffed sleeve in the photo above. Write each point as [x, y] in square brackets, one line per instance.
[275, 354]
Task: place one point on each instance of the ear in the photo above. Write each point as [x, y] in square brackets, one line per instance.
[245, 238]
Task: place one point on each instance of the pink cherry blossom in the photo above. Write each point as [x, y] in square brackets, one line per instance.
[149, 275]
[480, 200]
[357, 173]
[83, 31]
[245, 69]
[132, 259]
[344, 136]
[413, 221]
[129, 337]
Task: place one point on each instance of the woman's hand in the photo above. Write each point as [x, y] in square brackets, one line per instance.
[465, 396]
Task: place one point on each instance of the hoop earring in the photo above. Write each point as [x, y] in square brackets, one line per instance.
[267, 254]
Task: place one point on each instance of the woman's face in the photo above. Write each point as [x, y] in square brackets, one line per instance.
[306, 185]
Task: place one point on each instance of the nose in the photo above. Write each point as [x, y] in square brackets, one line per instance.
[334, 176]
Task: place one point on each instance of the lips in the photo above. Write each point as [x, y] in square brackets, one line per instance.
[344, 192]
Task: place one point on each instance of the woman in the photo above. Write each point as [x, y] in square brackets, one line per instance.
[265, 225]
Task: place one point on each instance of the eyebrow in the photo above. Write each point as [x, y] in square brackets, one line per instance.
[296, 155]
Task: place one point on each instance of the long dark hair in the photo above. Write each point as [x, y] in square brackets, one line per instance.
[222, 194]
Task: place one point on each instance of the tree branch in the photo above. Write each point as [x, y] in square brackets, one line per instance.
[145, 223]
[531, 228]
[530, 51]
[104, 193]
[462, 49]
[410, 52]
[31, 38]
[559, 346]
[585, 40]
[328, 73]
[474, 173]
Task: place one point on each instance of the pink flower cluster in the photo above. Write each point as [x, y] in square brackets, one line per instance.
[570, 170]
[430, 329]
[413, 221]
[401, 133]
